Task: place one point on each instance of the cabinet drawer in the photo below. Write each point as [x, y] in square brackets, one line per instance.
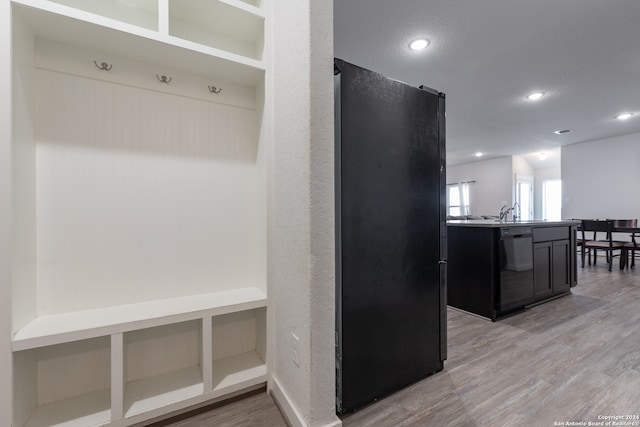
[543, 234]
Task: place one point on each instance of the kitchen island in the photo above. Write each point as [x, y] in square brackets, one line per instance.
[498, 268]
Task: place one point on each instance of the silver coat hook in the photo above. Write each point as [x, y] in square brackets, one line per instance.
[163, 79]
[103, 66]
[214, 89]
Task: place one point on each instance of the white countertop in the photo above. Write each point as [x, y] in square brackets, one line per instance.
[494, 223]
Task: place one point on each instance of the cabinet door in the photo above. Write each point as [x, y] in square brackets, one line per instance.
[542, 270]
[561, 266]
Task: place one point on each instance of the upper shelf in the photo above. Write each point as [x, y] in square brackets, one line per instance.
[66, 327]
[226, 55]
[143, 13]
[236, 29]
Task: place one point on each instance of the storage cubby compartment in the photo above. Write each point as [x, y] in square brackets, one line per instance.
[126, 194]
[143, 13]
[138, 206]
[162, 366]
[218, 24]
[65, 385]
[238, 348]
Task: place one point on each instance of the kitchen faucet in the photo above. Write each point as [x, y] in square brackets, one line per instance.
[517, 215]
[502, 215]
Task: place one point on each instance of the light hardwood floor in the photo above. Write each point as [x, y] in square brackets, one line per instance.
[572, 359]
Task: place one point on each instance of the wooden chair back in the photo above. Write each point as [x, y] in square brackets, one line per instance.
[597, 225]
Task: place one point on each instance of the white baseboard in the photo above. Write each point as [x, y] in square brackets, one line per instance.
[291, 414]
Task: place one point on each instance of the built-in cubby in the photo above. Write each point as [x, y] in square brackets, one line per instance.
[238, 347]
[218, 24]
[162, 366]
[63, 385]
[139, 283]
[143, 13]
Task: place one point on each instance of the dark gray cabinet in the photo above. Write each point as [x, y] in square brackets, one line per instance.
[552, 270]
[542, 270]
[478, 280]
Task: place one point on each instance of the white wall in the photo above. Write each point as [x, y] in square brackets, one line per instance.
[301, 243]
[494, 182]
[5, 215]
[520, 167]
[600, 178]
[541, 175]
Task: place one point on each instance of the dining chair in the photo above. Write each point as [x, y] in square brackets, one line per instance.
[628, 246]
[608, 245]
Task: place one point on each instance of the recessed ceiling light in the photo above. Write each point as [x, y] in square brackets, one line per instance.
[542, 156]
[478, 154]
[535, 96]
[560, 132]
[419, 44]
[624, 116]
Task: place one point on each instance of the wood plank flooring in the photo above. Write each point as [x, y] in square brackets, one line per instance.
[569, 360]
[253, 409]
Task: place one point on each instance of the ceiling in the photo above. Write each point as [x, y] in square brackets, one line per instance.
[487, 55]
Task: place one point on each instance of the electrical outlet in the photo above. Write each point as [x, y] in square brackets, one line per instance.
[295, 349]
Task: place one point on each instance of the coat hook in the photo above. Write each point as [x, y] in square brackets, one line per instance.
[214, 89]
[103, 66]
[163, 79]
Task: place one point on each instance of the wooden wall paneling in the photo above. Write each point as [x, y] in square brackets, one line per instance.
[163, 366]
[156, 351]
[236, 354]
[134, 200]
[234, 334]
[73, 369]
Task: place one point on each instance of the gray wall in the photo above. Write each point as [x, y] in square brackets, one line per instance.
[494, 181]
[600, 178]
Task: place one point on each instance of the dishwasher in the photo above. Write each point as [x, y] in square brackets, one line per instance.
[516, 268]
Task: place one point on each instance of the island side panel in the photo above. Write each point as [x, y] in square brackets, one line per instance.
[573, 252]
[471, 269]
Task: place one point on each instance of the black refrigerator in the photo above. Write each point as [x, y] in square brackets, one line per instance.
[390, 235]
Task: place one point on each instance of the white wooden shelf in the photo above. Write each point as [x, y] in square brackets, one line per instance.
[251, 6]
[238, 370]
[141, 208]
[148, 394]
[232, 26]
[62, 24]
[143, 13]
[89, 410]
[67, 327]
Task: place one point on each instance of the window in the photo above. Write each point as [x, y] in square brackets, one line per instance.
[551, 199]
[458, 199]
[524, 196]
